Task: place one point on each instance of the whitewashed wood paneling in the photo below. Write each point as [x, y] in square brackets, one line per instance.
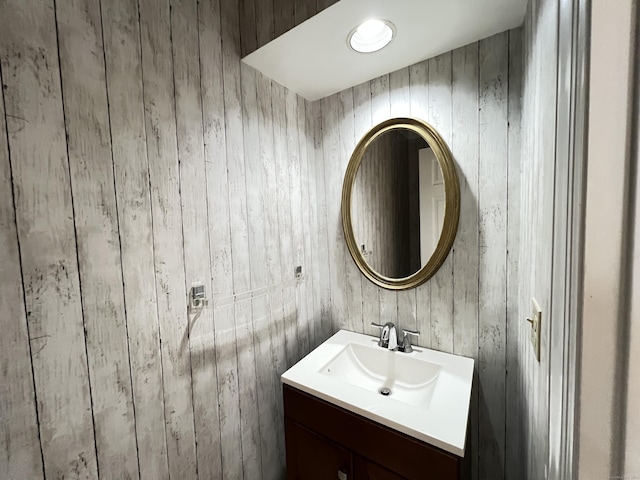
[464, 107]
[44, 217]
[288, 338]
[308, 204]
[183, 166]
[84, 96]
[261, 315]
[262, 21]
[240, 255]
[514, 394]
[539, 87]
[208, 168]
[301, 339]
[324, 286]
[19, 441]
[158, 76]
[273, 266]
[492, 202]
[333, 186]
[465, 94]
[219, 235]
[353, 320]
[199, 338]
[131, 174]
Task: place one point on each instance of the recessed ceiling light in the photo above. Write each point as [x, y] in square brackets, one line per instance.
[371, 36]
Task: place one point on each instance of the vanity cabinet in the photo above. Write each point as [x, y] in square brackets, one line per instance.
[310, 456]
[324, 441]
[368, 470]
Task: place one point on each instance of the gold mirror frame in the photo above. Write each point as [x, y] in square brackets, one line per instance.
[452, 202]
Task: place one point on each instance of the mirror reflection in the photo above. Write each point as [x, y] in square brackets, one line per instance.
[398, 203]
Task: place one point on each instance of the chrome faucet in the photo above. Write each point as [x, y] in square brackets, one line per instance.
[389, 337]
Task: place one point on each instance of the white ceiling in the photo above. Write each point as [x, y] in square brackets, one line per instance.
[314, 60]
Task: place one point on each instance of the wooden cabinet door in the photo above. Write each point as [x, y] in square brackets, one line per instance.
[310, 457]
[367, 470]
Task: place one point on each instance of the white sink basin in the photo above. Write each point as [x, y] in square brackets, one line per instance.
[424, 394]
[402, 377]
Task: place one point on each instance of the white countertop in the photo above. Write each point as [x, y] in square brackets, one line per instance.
[440, 419]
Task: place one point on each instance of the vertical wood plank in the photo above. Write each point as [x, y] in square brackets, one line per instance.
[255, 131]
[442, 282]
[168, 238]
[493, 57]
[21, 455]
[272, 264]
[295, 194]
[282, 298]
[284, 16]
[265, 27]
[324, 286]
[195, 227]
[284, 221]
[322, 4]
[353, 278]
[309, 267]
[380, 111]
[44, 218]
[262, 21]
[464, 142]
[240, 256]
[362, 124]
[514, 427]
[211, 79]
[333, 186]
[419, 94]
[315, 199]
[248, 27]
[160, 110]
[259, 305]
[131, 172]
[304, 9]
[89, 145]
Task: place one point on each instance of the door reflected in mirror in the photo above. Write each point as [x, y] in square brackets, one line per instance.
[398, 203]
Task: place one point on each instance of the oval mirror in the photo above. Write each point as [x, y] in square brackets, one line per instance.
[400, 203]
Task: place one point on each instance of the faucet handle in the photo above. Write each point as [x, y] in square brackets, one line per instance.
[380, 339]
[406, 341]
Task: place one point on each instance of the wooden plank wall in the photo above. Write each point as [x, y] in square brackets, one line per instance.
[20, 443]
[262, 21]
[131, 166]
[539, 116]
[471, 96]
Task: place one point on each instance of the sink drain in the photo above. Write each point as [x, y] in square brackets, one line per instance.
[384, 391]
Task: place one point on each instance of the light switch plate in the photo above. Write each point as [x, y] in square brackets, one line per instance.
[536, 326]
